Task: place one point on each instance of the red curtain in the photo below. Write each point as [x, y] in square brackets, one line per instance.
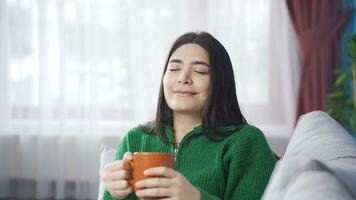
[317, 24]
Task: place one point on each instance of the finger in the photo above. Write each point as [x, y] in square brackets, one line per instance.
[155, 198]
[113, 166]
[154, 192]
[116, 175]
[161, 171]
[122, 193]
[119, 164]
[154, 183]
[127, 156]
[118, 185]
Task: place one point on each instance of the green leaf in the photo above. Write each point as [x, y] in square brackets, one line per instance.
[341, 79]
[353, 121]
[340, 104]
[330, 111]
[352, 47]
[334, 95]
[349, 101]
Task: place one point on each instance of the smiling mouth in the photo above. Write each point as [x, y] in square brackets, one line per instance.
[185, 94]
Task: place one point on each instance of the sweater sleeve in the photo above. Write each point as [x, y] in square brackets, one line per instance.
[249, 164]
[121, 150]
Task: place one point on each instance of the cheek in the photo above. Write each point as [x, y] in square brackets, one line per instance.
[168, 80]
[166, 84]
[207, 92]
[206, 87]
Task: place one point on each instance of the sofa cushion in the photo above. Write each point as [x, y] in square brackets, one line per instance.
[300, 178]
[320, 137]
[107, 155]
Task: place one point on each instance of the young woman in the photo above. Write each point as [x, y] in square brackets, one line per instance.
[218, 155]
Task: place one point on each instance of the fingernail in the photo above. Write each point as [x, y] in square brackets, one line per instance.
[138, 193]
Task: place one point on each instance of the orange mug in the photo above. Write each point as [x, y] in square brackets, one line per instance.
[145, 160]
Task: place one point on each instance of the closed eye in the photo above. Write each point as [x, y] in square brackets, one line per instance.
[201, 69]
[201, 72]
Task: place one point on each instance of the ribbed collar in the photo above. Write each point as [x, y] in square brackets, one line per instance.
[168, 130]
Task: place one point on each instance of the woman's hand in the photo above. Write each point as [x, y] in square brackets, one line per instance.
[116, 175]
[169, 185]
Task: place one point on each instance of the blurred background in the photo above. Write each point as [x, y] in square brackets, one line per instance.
[76, 74]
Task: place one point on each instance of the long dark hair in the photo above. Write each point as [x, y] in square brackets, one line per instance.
[221, 108]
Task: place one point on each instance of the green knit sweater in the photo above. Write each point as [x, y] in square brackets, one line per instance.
[237, 167]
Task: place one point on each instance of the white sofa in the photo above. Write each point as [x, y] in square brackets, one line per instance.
[319, 162]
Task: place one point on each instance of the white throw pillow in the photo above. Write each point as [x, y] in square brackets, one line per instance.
[301, 178]
[320, 137]
[107, 155]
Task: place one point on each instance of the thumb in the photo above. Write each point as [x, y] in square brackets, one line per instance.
[128, 156]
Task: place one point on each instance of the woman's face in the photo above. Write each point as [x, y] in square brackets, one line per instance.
[186, 80]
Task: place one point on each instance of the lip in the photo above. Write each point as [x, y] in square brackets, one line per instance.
[185, 93]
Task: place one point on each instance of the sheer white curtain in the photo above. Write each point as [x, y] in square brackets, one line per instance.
[78, 73]
[261, 42]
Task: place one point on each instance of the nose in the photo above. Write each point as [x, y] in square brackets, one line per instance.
[184, 78]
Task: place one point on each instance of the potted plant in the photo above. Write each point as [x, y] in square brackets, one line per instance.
[341, 102]
[352, 47]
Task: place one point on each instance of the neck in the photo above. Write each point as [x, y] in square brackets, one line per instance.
[183, 124]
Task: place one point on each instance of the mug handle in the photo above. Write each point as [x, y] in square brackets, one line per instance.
[131, 180]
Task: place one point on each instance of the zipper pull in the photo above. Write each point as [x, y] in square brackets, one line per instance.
[175, 152]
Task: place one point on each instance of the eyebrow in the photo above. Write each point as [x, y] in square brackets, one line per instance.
[197, 62]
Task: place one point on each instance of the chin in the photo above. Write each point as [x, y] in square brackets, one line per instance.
[185, 109]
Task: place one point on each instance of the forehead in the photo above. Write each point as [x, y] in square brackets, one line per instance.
[190, 51]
